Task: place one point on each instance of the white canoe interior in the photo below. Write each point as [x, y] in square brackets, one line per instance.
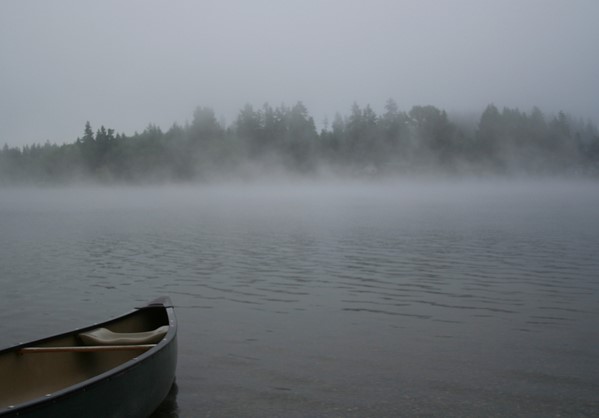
[39, 370]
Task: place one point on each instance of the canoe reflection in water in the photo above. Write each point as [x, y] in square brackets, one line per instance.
[169, 407]
[124, 367]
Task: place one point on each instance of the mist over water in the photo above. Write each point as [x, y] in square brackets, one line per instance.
[444, 298]
[273, 143]
[359, 209]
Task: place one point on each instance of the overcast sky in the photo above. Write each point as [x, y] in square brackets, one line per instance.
[124, 64]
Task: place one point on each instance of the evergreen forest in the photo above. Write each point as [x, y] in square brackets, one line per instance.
[268, 141]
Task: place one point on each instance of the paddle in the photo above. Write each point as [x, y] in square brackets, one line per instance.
[84, 349]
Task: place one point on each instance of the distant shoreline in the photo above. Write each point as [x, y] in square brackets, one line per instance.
[272, 142]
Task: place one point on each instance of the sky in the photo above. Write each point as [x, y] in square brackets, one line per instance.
[125, 64]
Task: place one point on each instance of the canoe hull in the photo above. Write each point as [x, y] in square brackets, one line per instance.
[114, 396]
[132, 390]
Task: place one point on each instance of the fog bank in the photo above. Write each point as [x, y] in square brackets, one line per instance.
[274, 142]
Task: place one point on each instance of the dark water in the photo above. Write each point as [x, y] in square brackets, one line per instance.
[371, 300]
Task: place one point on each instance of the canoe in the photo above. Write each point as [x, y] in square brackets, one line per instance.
[123, 367]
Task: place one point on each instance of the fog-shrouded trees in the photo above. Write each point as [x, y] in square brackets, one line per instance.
[421, 140]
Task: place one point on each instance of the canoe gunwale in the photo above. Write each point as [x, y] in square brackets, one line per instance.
[88, 384]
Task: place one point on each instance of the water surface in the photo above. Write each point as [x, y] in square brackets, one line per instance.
[434, 298]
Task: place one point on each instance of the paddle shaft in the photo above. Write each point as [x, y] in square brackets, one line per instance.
[86, 349]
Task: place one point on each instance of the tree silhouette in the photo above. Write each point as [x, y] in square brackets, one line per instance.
[362, 143]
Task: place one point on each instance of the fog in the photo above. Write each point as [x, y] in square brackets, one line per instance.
[290, 192]
[280, 142]
[124, 65]
[335, 193]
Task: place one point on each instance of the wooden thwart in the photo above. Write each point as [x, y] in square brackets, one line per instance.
[86, 349]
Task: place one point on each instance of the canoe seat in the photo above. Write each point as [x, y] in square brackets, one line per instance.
[103, 336]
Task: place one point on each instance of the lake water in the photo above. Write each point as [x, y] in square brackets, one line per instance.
[338, 300]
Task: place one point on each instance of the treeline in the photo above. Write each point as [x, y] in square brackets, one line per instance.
[267, 141]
